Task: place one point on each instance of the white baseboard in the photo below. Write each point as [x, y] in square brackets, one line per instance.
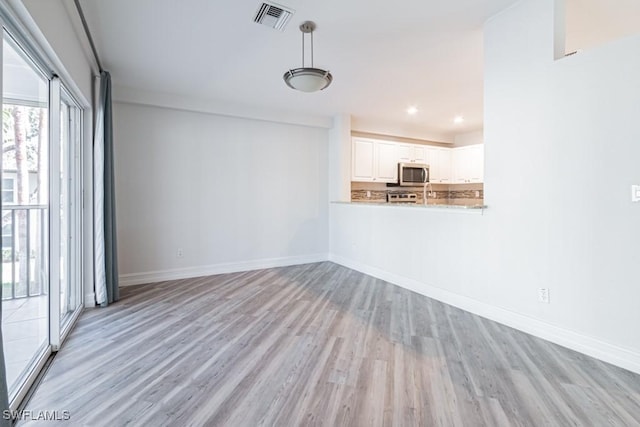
[90, 299]
[622, 357]
[208, 270]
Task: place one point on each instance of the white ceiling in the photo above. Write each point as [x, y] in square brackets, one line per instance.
[384, 56]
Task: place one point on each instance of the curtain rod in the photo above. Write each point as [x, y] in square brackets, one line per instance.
[88, 33]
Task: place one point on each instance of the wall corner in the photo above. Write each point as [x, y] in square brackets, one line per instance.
[340, 158]
[559, 28]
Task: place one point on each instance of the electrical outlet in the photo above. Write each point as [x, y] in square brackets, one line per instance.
[434, 194]
[368, 194]
[543, 295]
[477, 194]
[635, 193]
[179, 253]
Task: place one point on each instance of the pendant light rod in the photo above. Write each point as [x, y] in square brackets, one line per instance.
[307, 27]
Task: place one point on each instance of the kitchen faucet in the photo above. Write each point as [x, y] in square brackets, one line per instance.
[424, 192]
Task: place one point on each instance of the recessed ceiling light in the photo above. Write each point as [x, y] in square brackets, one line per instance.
[458, 119]
[412, 110]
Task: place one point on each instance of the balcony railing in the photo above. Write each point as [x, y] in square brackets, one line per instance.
[24, 251]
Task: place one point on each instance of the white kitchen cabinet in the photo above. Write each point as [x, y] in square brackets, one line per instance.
[460, 159]
[420, 153]
[477, 163]
[405, 152]
[468, 164]
[373, 160]
[361, 159]
[386, 161]
[377, 161]
[439, 161]
[411, 153]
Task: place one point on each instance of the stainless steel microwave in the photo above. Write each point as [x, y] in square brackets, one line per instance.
[412, 174]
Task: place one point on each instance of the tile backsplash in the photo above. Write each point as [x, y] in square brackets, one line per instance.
[459, 194]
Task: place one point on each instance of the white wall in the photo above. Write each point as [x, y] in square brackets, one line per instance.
[567, 132]
[340, 159]
[469, 138]
[570, 133]
[232, 193]
[219, 107]
[381, 127]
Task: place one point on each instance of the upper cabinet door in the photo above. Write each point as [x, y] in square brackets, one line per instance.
[439, 161]
[460, 165]
[476, 166]
[411, 153]
[362, 166]
[468, 164]
[405, 153]
[420, 153]
[386, 160]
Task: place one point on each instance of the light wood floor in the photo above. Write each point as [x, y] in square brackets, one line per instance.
[318, 344]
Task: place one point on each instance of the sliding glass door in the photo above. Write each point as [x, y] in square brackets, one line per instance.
[41, 214]
[25, 213]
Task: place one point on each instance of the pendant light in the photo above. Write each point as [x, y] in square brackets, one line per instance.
[307, 79]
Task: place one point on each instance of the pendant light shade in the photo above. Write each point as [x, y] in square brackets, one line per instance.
[307, 79]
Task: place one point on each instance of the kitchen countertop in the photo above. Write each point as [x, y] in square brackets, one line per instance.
[479, 208]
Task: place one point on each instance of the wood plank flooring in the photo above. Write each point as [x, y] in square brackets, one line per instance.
[318, 345]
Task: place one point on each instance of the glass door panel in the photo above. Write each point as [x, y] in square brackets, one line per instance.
[64, 210]
[69, 209]
[25, 217]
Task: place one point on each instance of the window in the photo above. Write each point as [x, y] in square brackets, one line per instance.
[8, 191]
[7, 238]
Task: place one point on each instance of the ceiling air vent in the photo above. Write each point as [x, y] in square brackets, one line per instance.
[273, 15]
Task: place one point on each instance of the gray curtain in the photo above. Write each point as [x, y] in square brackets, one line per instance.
[106, 255]
[110, 240]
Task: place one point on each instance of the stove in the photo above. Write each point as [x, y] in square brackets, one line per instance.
[409, 198]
